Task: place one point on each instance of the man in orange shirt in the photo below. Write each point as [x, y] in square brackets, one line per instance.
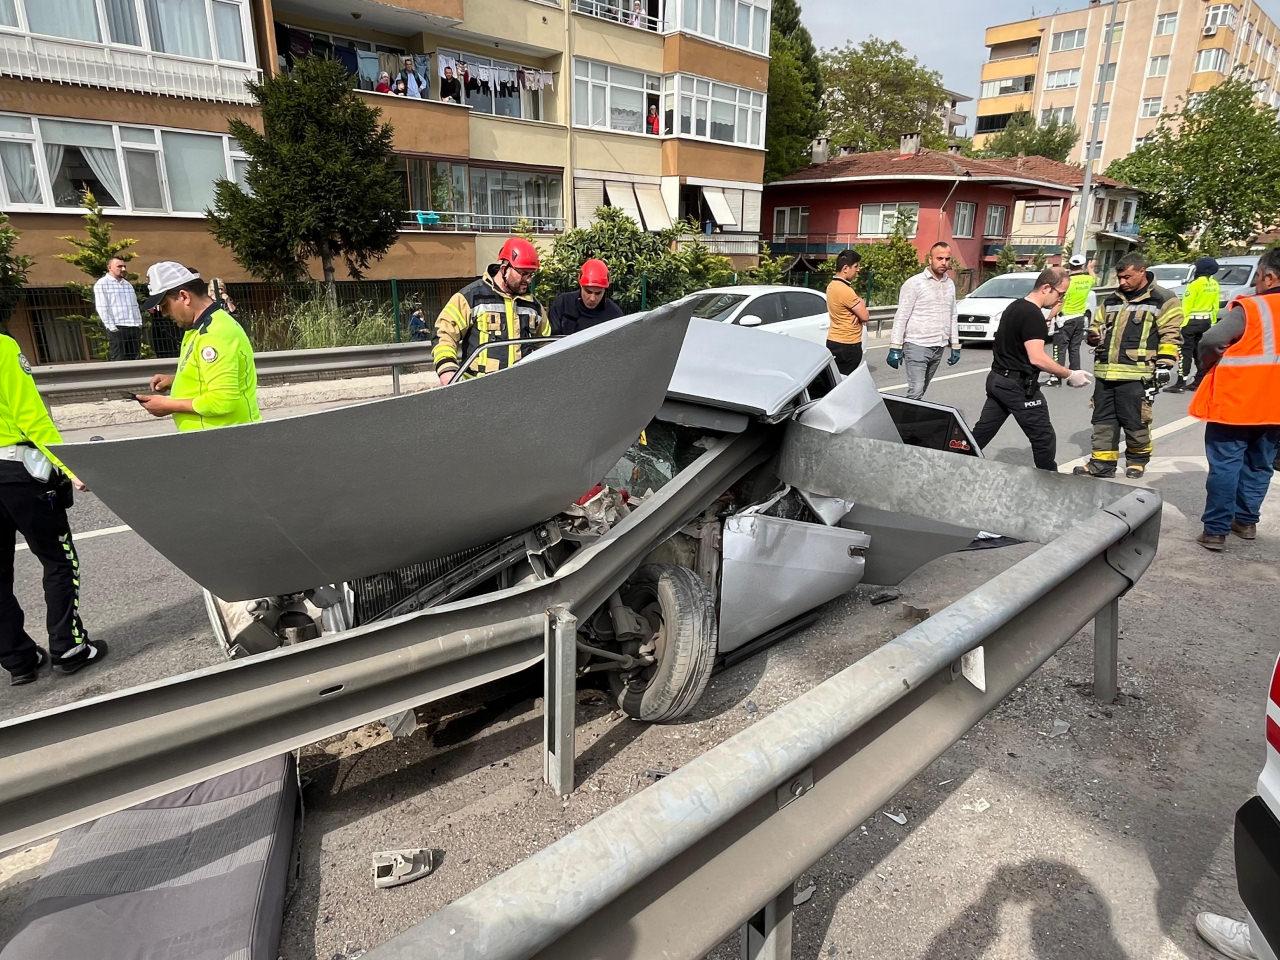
[848, 313]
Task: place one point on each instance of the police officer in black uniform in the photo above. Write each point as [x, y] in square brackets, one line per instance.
[35, 491]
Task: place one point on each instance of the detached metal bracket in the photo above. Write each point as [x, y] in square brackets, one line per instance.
[559, 698]
[391, 868]
[1132, 555]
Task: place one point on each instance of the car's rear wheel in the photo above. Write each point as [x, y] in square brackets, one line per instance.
[681, 614]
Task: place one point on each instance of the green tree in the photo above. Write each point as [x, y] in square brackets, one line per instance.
[322, 179]
[770, 269]
[886, 266]
[795, 111]
[14, 269]
[1023, 136]
[97, 247]
[1039, 259]
[1007, 260]
[786, 21]
[1208, 172]
[875, 92]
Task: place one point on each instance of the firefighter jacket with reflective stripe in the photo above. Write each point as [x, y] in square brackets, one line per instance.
[217, 373]
[1200, 301]
[1243, 388]
[23, 415]
[478, 313]
[1136, 330]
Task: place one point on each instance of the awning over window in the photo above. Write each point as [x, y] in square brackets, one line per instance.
[653, 207]
[622, 196]
[719, 206]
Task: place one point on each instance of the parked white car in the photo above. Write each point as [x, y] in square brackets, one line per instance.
[1174, 277]
[1236, 274]
[980, 311]
[792, 311]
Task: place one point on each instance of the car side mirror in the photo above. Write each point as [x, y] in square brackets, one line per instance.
[750, 320]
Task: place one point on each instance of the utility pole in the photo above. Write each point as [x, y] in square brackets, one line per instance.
[1086, 189]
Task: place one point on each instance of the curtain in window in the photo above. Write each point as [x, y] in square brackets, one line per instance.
[122, 22]
[73, 19]
[193, 163]
[179, 26]
[17, 161]
[229, 31]
[106, 168]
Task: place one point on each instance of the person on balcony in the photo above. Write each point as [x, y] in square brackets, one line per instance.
[637, 15]
[400, 88]
[415, 83]
[654, 124]
[450, 87]
[384, 82]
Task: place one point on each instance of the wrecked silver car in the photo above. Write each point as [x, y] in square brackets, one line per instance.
[462, 495]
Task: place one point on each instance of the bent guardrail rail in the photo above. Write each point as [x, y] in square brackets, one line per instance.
[717, 846]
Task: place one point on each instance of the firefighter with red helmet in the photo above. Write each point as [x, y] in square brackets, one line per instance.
[498, 306]
[588, 305]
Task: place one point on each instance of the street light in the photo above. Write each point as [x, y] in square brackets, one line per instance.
[1086, 188]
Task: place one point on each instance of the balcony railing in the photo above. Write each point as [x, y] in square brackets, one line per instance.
[445, 221]
[623, 13]
[1024, 245]
[141, 71]
[816, 243]
[744, 246]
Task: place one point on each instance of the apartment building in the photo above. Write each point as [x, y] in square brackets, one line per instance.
[1162, 51]
[131, 98]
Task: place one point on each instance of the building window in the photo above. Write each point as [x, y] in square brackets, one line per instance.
[505, 97]
[1143, 141]
[193, 29]
[790, 222]
[707, 110]
[613, 98]
[482, 199]
[1220, 15]
[1106, 72]
[633, 13]
[1059, 79]
[882, 219]
[1213, 60]
[1042, 211]
[992, 123]
[739, 23]
[1151, 107]
[1062, 115]
[996, 216]
[49, 163]
[1117, 33]
[965, 215]
[1166, 24]
[1067, 40]
[1158, 67]
[1093, 150]
[1003, 88]
[1102, 116]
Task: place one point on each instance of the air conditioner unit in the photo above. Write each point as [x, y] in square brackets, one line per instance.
[1210, 31]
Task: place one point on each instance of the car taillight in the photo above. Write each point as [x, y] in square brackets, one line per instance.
[1273, 708]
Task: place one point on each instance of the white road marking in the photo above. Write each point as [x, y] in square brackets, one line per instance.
[88, 535]
[949, 376]
[1156, 434]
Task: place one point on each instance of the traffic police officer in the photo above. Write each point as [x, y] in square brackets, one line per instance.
[216, 384]
[1200, 310]
[498, 306]
[35, 491]
[1135, 339]
[1075, 305]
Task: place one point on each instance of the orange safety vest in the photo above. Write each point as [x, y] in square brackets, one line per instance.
[1243, 388]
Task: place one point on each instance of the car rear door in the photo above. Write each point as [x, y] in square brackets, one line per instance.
[806, 315]
[767, 307]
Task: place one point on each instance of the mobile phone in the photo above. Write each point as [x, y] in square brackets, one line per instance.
[133, 396]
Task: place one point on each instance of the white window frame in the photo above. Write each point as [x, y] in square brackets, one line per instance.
[795, 222]
[140, 14]
[1092, 150]
[1107, 72]
[46, 186]
[959, 229]
[1093, 112]
[886, 216]
[1031, 210]
[687, 16]
[1220, 15]
[1062, 79]
[1158, 66]
[1068, 40]
[995, 220]
[1066, 116]
[1151, 107]
[1214, 62]
[996, 88]
[687, 89]
[583, 72]
[1166, 24]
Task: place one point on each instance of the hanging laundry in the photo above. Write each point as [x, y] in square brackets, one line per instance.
[347, 57]
[369, 69]
[443, 60]
[520, 82]
[546, 79]
[390, 64]
[422, 64]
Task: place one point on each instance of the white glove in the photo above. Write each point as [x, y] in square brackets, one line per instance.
[1079, 378]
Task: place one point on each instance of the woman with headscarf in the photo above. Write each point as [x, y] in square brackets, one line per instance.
[384, 82]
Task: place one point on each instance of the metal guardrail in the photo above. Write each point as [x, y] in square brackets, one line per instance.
[58, 379]
[718, 845]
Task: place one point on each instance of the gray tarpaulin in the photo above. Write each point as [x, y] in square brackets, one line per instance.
[289, 504]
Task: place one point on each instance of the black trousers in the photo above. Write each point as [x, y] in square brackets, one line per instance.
[1191, 334]
[848, 355]
[124, 343]
[1007, 397]
[31, 508]
[1066, 342]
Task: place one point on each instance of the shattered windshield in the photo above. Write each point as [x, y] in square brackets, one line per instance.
[715, 306]
[662, 451]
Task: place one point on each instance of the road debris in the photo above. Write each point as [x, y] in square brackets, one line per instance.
[981, 805]
[1060, 729]
[899, 818]
[884, 596]
[803, 896]
[391, 868]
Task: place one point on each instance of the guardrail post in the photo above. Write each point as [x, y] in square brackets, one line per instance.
[767, 935]
[559, 698]
[395, 313]
[1106, 652]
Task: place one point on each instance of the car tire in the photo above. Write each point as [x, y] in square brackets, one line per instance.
[681, 610]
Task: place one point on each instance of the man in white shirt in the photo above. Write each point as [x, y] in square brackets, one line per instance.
[116, 303]
[925, 323]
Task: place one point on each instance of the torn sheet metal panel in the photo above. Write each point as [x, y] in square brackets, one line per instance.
[738, 368]
[774, 569]
[854, 406]
[902, 543]
[289, 504]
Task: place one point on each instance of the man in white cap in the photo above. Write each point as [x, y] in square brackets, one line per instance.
[216, 384]
[1071, 324]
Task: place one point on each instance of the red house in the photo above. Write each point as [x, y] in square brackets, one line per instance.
[970, 204]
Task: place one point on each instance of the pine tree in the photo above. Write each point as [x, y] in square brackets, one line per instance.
[96, 248]
[1007, 260]
[14, 268]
